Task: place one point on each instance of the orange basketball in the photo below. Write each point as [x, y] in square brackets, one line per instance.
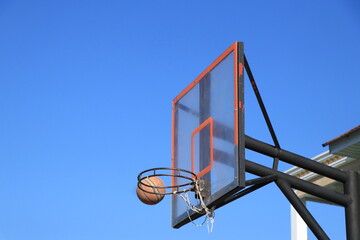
[153, 195]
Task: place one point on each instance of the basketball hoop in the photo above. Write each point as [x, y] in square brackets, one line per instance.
[189, 183]
[172, 173]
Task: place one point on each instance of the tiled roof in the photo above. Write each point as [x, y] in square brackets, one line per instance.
[342, 135]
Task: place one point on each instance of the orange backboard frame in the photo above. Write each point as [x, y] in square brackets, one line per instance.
[237, 135]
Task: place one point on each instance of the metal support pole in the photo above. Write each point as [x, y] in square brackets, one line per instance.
[301, 209]
[297, 160]
[257, 183]
[263, 110]
[352, 210]
[261, 180]
[299, 184]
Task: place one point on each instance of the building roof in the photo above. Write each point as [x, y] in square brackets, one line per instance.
[347, 144]
[342, 135]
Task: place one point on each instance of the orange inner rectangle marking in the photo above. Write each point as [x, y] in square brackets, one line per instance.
[207, 122]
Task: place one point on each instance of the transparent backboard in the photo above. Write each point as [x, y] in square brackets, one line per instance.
[208, 132]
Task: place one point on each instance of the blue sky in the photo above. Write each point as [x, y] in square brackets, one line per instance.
[85, 105]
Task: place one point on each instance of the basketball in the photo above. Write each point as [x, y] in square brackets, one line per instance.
[151, 195]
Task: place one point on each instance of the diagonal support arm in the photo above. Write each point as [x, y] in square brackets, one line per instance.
[301, 209]
[256, 184]
[263, 110]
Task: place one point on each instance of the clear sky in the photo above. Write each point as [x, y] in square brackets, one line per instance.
[85, 105]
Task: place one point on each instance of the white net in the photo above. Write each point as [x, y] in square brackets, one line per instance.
[209, 213]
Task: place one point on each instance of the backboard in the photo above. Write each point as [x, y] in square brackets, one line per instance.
[208, 132]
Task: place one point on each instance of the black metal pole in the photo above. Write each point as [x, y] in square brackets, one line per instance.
[263, 109]
[297, 160]
[261, 103]
[299, 184]
[352, 210]
[241, 194]
[261, 180]
[301, 209]
[257, 183]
